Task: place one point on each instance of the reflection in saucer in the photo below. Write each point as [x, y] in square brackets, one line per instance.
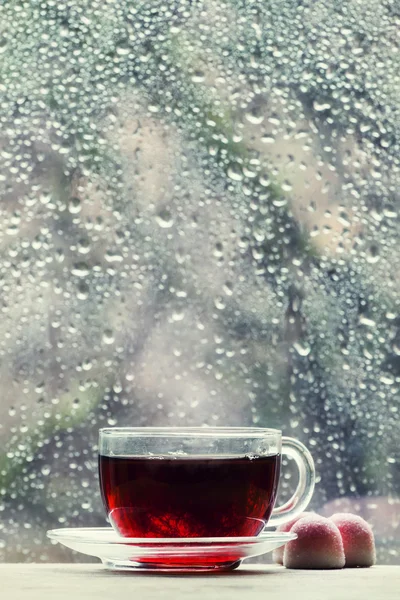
[165, 554]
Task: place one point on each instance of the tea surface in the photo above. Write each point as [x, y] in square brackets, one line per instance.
[189, 496]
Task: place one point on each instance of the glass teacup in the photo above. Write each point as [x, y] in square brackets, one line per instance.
[197, 481]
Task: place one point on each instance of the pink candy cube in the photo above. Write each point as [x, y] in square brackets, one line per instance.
[277, 555]
[318, 546]
[358, 539]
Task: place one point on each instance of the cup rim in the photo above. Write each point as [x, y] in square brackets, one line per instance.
[224, 432]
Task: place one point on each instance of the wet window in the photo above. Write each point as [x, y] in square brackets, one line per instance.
[199, 225]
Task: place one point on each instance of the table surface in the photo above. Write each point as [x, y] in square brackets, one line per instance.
[87, 581]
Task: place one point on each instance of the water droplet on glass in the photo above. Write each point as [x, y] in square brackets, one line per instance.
[321, 106]
[165, 219]
[228, 288]
[255, 116]
[123, 49]
[219, 303]
[396, 349]
[178, 315]
[373, 254]
[198, 77]
[82, 291]
[235, 172]
[108, 336]
[74, 205]
[302, 349]
[83, 246]
[387, 379]
[367, 322]
[80, 269]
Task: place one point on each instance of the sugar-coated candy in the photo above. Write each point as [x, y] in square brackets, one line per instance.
[318, 545]
[277, 555]
[358, 539]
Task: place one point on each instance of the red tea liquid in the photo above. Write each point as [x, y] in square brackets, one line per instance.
[189, 496]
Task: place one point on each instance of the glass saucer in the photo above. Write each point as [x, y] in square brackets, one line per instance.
[166, 554]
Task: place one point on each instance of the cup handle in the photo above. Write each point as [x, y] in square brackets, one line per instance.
[305, 488]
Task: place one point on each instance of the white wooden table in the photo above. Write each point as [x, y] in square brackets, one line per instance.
[88, 581]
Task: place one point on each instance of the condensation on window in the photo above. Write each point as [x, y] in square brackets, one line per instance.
[199, 225]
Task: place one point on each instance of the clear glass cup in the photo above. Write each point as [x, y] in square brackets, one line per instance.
[198, 481]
